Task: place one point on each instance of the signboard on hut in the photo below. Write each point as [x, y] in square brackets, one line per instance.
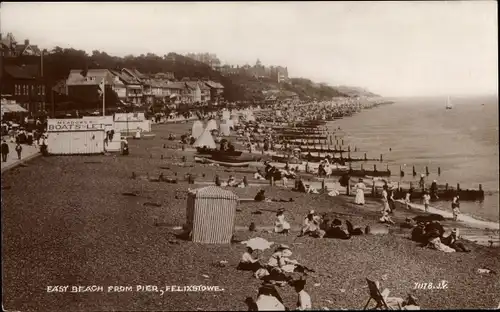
[72, 125]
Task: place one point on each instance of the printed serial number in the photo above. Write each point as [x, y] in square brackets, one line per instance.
[430, 286]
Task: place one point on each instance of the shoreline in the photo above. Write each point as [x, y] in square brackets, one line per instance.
[77, 229]
[467, 224]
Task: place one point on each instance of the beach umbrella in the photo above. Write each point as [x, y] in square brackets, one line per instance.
[258, 243]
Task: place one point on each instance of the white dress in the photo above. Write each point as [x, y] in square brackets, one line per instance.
[281, 224]
[360, 193]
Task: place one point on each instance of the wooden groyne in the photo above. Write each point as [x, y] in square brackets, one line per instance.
[443, 192]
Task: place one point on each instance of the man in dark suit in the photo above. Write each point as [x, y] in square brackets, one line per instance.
[5, 151]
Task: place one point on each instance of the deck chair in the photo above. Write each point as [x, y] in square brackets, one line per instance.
[376, 295]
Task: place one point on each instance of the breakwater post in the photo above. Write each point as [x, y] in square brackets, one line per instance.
[373, 188]
[365, 157]
[426, 170]
[381, 158]
[480, 187]
[414, 172]
[446, 186]
[323, 185]
[375, 168]
[439, 170]
[458, 187]
[272, 181]
[401, 172]
[349, 148]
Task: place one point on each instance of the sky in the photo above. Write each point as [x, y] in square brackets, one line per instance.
[391, 48]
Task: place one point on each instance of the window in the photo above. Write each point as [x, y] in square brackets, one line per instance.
[43, 90]
[16, 89]
[25, 89]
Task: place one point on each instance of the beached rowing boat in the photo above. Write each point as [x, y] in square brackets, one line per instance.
[221, 163]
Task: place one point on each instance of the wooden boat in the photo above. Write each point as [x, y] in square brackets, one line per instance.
[204, 160]
[232, 159]
[217, 153]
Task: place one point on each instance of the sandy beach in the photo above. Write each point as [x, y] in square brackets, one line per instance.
[79, 229]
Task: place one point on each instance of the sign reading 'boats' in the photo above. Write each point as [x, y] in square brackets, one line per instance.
[68, 125]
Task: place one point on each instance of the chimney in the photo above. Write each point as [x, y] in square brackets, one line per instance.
[26, 42]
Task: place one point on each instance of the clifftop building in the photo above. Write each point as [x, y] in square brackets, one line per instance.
[276, 73]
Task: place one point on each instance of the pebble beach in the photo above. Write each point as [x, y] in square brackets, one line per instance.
[66, 221]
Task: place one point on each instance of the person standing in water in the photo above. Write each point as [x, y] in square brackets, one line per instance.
[455, 207]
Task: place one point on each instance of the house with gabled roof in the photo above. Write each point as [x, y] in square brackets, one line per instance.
[27, 49]
[134, 86]
[216, 90]
[83, 85]
[195, 91]
[24, 85]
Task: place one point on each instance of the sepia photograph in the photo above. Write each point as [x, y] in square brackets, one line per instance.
[249, 156]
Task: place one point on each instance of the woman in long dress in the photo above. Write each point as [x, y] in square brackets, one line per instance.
[360, 192]
[281, 225]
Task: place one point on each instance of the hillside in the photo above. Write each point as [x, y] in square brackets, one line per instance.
[58, 62]
[355, 91]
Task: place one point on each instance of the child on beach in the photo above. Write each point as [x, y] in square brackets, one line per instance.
[455, 205]
[408, 200]
[426, 199]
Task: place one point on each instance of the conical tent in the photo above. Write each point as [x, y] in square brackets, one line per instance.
[197, 129]
[212, 125]
[205, 139]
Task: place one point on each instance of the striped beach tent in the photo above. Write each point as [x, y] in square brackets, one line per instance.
[210, 215]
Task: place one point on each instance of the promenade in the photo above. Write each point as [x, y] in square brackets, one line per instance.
[29, 152]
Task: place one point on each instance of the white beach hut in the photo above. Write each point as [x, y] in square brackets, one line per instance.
[235, 119]
[205, 140]
[75, 137]
[224, 129]
[211, 125]
[226, 114]
[130, 122]
[197, 129]
[113, 143]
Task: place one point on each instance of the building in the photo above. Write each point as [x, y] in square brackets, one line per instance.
[216, 91]
[205, 92]
[133, 86]
[83, 85]
[8, 45]
[24, 85]
[164, 76]
[173, 92]
[194, 90]
[119, 86]
[27, 49]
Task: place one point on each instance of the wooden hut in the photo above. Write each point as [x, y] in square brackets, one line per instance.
[210, 215]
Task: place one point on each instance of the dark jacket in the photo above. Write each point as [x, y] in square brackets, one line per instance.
[5, 148]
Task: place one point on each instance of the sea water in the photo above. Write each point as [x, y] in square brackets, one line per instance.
[420, 132]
